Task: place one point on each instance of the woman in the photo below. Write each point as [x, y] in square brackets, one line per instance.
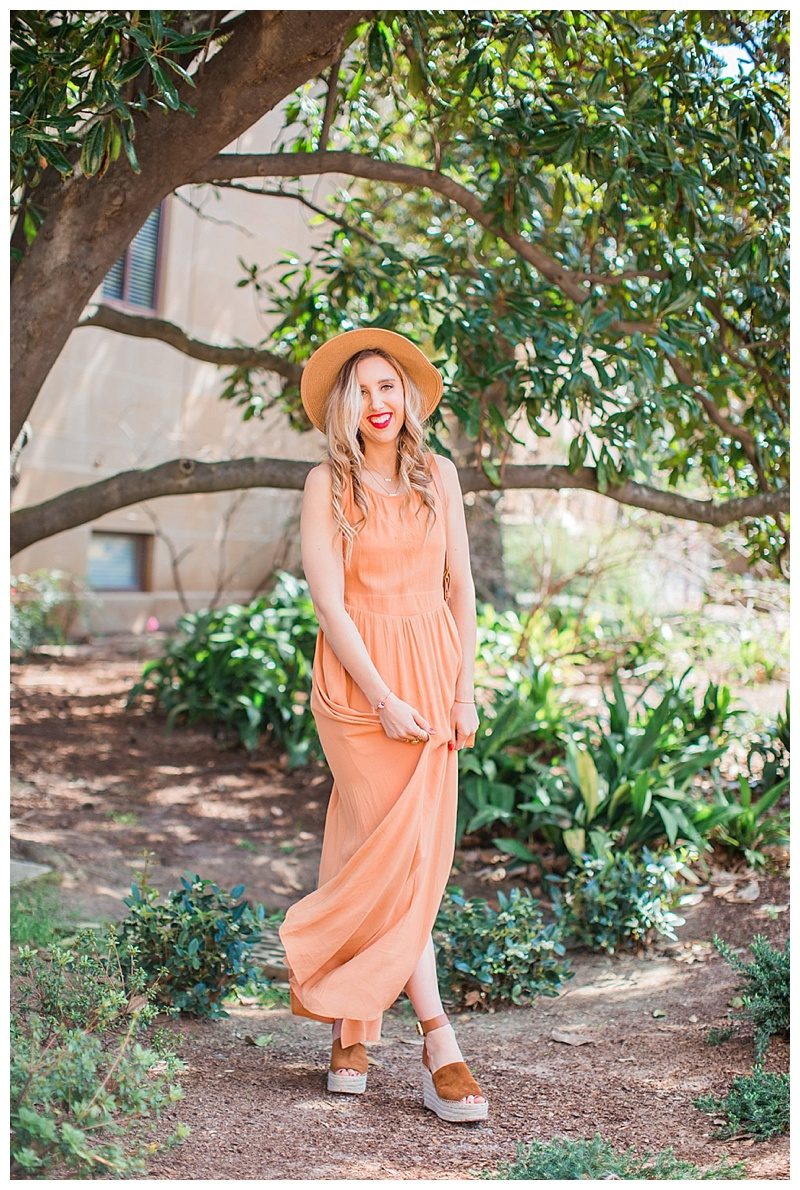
[392, 699]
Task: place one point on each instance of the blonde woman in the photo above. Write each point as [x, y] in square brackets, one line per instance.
[392, 697]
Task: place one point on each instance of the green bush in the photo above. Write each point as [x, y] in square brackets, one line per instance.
[764, 989]
[633, 774]
[246, 669]
[621, 899]
[756, 1104]
[44, 607]
[754, 824]
[567, 1159]
[197, 945]
[772, 747]
[488, 956]
[751, 826]
[37, 916]
[84, 1087]
[522, 722]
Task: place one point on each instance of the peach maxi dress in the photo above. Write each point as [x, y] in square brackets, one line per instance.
[389, 839]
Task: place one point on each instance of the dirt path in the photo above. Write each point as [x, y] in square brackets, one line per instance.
[95, 785]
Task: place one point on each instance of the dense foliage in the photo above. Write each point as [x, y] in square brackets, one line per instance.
[489, 956]
[195, 947]
[245, 669]
[764, 989]
[611, 246]
[622, 899]
[76, 80]
[89, 1072]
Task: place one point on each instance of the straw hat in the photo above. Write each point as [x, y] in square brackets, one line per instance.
[319, 374]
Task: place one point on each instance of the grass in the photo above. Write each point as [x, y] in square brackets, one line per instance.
[580, 1160]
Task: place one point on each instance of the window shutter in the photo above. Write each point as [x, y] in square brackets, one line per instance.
[143, 257]
[115, 279]
[133, 278]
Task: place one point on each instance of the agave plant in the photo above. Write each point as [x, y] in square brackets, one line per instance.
[633, 775]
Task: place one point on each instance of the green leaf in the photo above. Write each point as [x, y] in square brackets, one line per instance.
[91, 157]
[167, 89]
[575, 841]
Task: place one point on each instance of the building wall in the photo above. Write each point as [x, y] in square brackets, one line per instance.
[113, 403]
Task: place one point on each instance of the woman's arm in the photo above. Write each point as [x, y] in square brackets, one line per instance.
[462, 586]
[321, 553]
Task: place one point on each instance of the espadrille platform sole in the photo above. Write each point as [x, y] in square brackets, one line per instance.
[347, 1084]
[452, 1110]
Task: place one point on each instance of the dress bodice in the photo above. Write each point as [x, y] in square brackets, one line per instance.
[397, 561]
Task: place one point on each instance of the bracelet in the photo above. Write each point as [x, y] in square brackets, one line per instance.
[469, 701]
[382, 703]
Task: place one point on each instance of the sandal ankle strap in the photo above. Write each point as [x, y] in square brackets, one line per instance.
[433, 1022]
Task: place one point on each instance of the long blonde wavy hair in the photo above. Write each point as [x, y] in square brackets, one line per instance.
[343, 411]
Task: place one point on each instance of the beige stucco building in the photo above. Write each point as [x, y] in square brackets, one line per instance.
[113, 402]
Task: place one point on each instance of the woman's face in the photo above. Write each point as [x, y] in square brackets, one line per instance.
[383, 401]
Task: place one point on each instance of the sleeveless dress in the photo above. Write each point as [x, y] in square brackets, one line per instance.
[389, 840]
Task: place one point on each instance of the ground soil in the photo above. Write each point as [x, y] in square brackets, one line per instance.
[96, 786]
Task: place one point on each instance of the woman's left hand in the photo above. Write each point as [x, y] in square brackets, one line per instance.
[463, 725]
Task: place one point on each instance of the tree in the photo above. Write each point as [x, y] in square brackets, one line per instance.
[582, 214]
[85, 85]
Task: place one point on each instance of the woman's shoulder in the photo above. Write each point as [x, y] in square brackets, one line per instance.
[447, 470]
[319, 479]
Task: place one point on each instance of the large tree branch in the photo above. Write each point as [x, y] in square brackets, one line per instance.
[226, 167]
[184, 476]
[141, 326]
[91, 220]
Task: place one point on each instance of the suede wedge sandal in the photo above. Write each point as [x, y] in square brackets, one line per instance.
[444, 1088]
[353, 1057]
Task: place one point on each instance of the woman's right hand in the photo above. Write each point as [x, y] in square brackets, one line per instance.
[401, 721]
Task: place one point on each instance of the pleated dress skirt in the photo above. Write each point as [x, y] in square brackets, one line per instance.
[389, 840]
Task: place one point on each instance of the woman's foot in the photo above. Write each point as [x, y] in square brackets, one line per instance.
[441, 1047]
[335, 1035]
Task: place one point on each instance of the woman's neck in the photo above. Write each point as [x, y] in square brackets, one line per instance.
[384, 462]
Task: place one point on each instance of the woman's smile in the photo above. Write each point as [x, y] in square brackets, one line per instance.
[380, 420]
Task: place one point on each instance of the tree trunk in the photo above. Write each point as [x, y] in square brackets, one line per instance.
[90, 221]
[483, 528]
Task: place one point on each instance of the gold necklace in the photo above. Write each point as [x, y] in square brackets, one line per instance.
[389, 480]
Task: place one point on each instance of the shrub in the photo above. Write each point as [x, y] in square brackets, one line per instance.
[197, 945]
[246, 669]
[36, 915]
[566, 1159]
[621, 899]
[518, 724]
[45, 605]
[764, 989]
[488, 956]
[751, 826]
[84, 1088]
[772, 747]
[756, 1104]
[632, 774]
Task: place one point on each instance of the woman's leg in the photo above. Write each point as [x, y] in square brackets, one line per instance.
[336, 1031]
[422, 990]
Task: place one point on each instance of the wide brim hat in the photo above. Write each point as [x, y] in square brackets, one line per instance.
[320, 372]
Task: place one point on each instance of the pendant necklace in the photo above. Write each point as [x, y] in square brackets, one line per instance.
[389, 480]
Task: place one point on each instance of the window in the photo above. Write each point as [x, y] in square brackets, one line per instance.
[119, 561]
[134, 278]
